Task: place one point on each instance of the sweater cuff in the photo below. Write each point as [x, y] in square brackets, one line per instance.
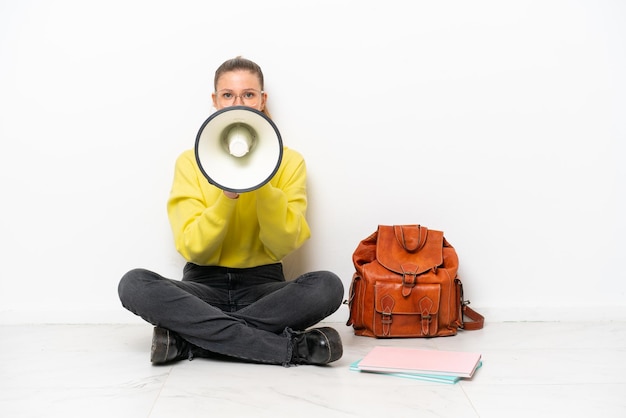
[224, 205]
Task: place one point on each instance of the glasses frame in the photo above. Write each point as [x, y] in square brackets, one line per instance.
[232, 102]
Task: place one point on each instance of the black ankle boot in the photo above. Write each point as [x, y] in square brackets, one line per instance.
[316, 346]
[168, 346]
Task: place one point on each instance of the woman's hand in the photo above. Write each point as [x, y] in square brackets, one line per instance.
[231, 195]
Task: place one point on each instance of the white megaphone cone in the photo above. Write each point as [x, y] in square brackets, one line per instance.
[238, 149]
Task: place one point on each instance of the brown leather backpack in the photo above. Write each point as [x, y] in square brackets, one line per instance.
[406, 285]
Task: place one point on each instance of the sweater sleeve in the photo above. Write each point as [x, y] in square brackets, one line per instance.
[281, 209]
[198, 213]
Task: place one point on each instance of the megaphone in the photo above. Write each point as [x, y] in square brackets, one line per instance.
[238, 149]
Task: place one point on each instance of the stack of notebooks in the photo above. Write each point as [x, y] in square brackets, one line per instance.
[413, 363]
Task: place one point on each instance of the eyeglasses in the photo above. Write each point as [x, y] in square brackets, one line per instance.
[248, 97]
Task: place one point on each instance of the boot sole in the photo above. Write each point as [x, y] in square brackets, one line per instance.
[160, 345]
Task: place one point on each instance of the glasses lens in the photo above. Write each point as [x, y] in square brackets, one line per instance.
[250, 97]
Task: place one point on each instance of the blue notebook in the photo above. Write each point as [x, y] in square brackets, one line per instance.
[425, 377]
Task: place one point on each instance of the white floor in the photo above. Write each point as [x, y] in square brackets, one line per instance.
[530, 369]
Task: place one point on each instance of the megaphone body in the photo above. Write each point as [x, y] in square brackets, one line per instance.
[238, 149]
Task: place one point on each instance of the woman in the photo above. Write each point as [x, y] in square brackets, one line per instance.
[233, 299]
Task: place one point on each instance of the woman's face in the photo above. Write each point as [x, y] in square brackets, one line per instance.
[239, 88]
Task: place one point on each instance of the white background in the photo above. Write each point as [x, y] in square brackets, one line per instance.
[500, 123]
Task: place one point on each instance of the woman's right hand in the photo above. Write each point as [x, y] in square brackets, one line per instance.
[231, 195]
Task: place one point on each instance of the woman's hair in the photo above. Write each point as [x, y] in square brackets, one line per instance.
[240, 63]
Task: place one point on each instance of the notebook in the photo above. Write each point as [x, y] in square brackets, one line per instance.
[420, 361]
[415, 376]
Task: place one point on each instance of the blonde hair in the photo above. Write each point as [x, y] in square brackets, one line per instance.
[240, 63]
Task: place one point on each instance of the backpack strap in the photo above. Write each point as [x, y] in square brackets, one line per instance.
[477, 320]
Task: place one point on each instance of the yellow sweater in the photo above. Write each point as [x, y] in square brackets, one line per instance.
[260, 227]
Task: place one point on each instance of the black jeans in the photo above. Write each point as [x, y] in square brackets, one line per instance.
[248, 314]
